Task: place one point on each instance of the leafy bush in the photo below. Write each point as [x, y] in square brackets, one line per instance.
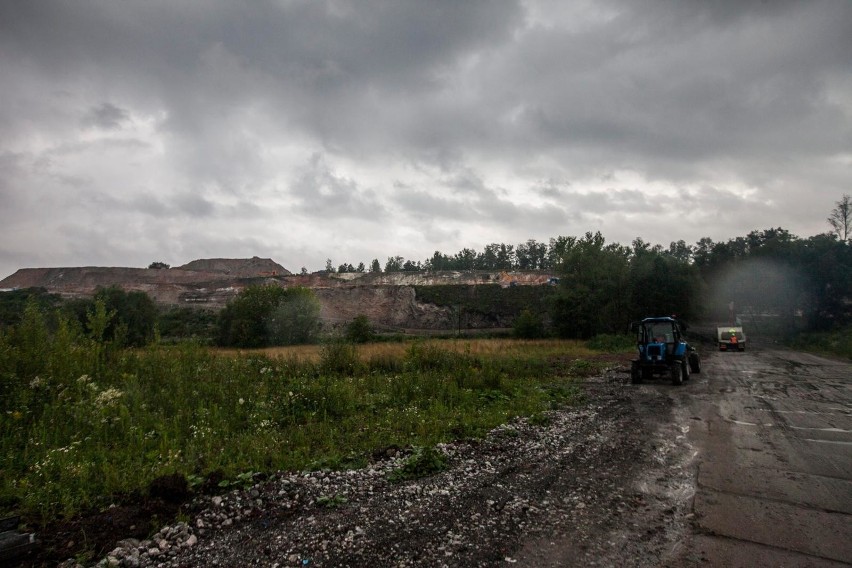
[612, 342]
[133, 319]
[338, 358]
[422, 463]
[269, 315]
[295, 320]
[528, 326]
[359, 330]
[187, 323]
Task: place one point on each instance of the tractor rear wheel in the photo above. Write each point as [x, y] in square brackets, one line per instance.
[695, 362]
[677, 373]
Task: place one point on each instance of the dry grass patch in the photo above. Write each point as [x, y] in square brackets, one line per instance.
[491, 348]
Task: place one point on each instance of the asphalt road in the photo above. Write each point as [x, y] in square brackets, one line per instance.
[771, 435]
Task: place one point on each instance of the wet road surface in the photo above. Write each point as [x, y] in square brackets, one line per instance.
[771, 433]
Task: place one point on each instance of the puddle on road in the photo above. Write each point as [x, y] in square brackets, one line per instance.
[744, 423]
[826, 441]
[838, 430]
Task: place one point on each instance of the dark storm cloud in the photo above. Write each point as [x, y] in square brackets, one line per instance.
[462, 120]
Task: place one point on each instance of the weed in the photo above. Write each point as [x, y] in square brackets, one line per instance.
[422, 463]
[331, 501]
[540, 419]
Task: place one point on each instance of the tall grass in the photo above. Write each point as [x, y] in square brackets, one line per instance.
[83, 422]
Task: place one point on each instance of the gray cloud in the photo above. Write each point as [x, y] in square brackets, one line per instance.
[106, 116]
[415, 125]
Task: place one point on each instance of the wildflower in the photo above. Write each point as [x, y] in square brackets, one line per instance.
[242, 401]
[108, 397]
[36, 383]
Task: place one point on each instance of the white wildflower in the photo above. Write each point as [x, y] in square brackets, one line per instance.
[108, 397]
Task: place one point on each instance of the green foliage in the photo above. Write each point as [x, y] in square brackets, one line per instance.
[528, 326]
[187, 323]
[331, 501]
[12, 303]
[269, 315]
[338, 358]
[125, 318]
[612, 342]
[662, 284]
[492, 302]
[158, 266]
[243, 322]
[837, 343]
[359, 330]
[81, 420]
[295, 320]
[422, 463]
[593, 288]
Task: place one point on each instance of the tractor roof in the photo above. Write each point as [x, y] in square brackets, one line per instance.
[659, 319]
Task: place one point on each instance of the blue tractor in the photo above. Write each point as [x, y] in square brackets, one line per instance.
[663, 350]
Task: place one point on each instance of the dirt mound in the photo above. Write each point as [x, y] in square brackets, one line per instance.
[238, 267]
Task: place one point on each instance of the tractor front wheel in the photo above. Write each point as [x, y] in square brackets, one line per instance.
[677, 373]
[635, 373]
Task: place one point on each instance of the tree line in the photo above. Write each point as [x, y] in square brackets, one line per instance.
[801, 282]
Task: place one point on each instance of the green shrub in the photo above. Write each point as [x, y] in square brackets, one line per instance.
[269, 315]
[422, 463]
[612, 343]
[528, 326]
[338, 358]
[359, 330]
[295, 320]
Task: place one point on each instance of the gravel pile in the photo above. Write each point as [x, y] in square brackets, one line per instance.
[600, 483]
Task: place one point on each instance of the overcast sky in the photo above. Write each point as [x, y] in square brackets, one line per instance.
[301, 130]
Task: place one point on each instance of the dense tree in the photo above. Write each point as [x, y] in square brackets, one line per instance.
[531, 255]
[295, 320]
[359, 330]
[528, 326]
[243, 321]
[375, 266]
[556, 250]
[269, 315]
[135, 318]
[13, 303]
[439, 261]
[158, 265]
[593, 293]
[465, 259]
[661, 284]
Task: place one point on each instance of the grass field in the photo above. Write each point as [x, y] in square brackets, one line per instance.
[83, 423]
